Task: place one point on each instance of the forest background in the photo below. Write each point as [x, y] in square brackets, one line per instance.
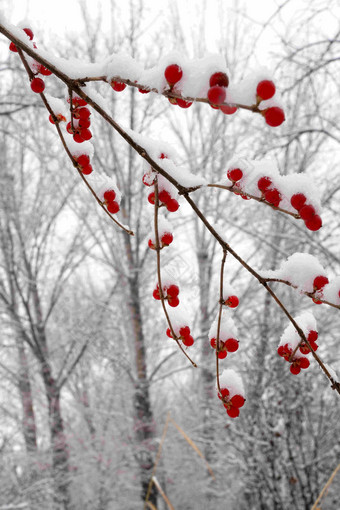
[88, 377]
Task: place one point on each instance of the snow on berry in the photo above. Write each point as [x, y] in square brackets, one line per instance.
[331, 292]
[230, 296]
[77, 150]
[232, 392]
[228, 334]
[164, 232]
[300, 269]
[306, 321]
[57, 105]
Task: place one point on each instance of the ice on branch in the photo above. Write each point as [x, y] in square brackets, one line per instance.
[300, 270]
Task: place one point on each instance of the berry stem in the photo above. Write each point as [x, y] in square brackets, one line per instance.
[219, 319]
[160, 287]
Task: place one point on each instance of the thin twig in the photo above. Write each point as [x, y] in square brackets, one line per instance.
[219, 320]
[160, 287]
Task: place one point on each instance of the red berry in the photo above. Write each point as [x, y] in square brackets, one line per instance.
[113, 207]
[232, 301]
[213, 343]
[217, 95]
[235, 174]
[172, 290]
[156, 294]
[184, 331]
[37, 85]
[144, 91]
[163, 156]
[298, 201]
[151, 197]
[167, 238]
[314, 346]
[69, 128]
[274, 116]
[13, 48]
[173, 301]
[83, 113]
[83, 160]
[224, 393]
[304, 363]
[117, 85]
[50, 118]
[148, 179]
[307, 212]
[228, 109]
[109, 195]
[304, 349]
[265, 89]
[273, 196]
[281, 351]
[164, 196]
[222, 354]
[231, 345]
[188, 341]
[173, 74]
[233, 412]
[263, 183]
[312, 336]
[85, 134]
[183, 104]
[220, 79]
[84, 123]
[295, 369]
[87, 170]
[77, 138]
[237, 400]
[172, 100]
[320, 282]
[172, 205]
[314, 223]
[168, 332]
[44, 71]
[316, 301]
[151, 245]
[29, 32]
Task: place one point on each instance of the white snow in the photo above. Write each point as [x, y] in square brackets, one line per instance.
[228, 328]
[299, 269]
[232, 381]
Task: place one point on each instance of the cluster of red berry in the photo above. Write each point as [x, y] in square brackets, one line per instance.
[37, 84]
[183, 334]
[165, 239]
[232, 404]
[297, 362]
[306, 211]
[227, 342]
[272, 195]
[164, 196]
[170, 293]
[79, 126]
[110, 201]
